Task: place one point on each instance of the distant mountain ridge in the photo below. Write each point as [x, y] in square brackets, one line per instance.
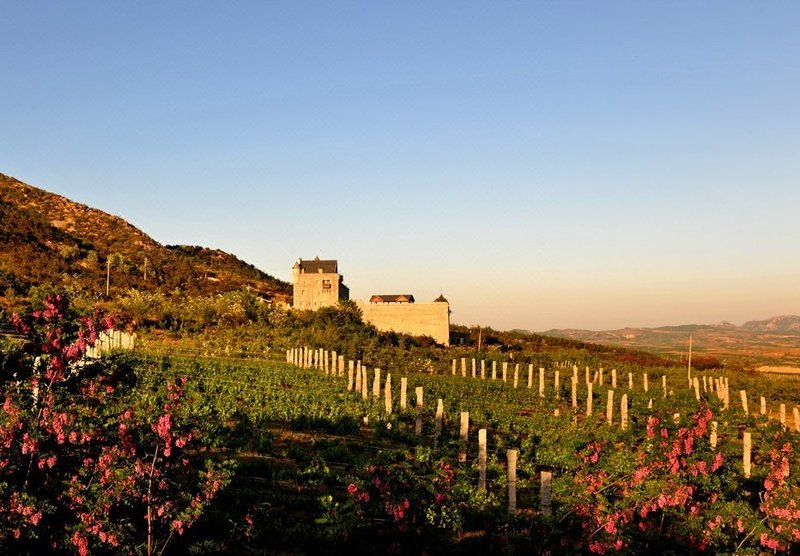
[775, 340]
[47, 238]
[786, 324]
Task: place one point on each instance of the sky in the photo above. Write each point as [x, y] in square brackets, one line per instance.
[542, 164]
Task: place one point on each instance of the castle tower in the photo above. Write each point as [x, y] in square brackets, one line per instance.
[318, 284]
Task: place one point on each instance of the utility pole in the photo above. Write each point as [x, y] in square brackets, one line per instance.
[480, 334]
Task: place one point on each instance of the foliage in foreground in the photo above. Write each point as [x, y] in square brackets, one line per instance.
[83, 467]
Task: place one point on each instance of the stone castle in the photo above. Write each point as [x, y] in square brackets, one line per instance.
[317, 283]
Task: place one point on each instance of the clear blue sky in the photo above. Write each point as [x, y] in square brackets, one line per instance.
[543, 164]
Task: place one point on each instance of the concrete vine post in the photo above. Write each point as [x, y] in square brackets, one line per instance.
[358, 379]
[743, 396]
[614, 379]
[516, 375]
[623, 410]
[546, 492]
[376, 384]
[712, 439]
[763, 405]
[574, 392]
[463, 434]
[403, 392]
[418, 424]
[482, 460]
[557, 385]
[437, 425]
[388, 394]
[494, 370]
[610, 407]
[350, 367]
[364, 384]
[588, 399]
[483, 369]
[747, 447]
[541, 382]
[511, 465]
[505, 371]
[530, 376]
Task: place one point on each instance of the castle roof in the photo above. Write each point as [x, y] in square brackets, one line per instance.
[318, 266]
[441, 299]
[394, 298]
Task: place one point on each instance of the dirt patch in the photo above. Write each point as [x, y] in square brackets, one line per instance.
[779, 370]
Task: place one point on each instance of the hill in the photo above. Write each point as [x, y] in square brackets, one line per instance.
[47, 238]
[774, 341]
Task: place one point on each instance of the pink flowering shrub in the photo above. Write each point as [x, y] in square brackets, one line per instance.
[83, 465]
[674, 490]
[412, 500]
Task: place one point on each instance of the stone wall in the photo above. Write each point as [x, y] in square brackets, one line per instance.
[418, 319]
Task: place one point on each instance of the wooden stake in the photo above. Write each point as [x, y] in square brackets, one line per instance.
[358, 378]
[463, 367]
[494, 370]
[712, 439]
[453, 371]
[530, 376]
[610, 407]
[403, 392]
[743, 396]
[644, 381]
[483, 369]
[763, 405]
[556, 385]
[614, 379]
[696, 384]
[516, 375]
[630, 381]
[474, 368]
[796, 414]
[364, 385]
[505, 371]
[664, 384]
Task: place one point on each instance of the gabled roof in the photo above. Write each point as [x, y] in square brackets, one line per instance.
[317, 266]
[394, 298]
[441, 299]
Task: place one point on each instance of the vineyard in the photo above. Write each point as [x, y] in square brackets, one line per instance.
[163, 454]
